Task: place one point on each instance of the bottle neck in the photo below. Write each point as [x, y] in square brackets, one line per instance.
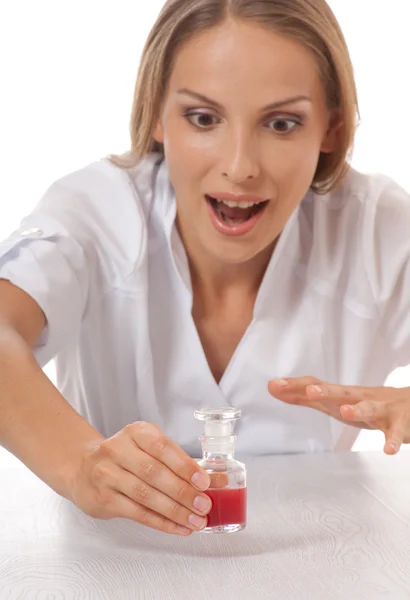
[208, 455]
[214, 448]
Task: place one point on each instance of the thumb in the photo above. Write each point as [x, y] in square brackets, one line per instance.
[218, 480]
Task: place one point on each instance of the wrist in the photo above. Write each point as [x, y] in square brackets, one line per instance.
[71, 469]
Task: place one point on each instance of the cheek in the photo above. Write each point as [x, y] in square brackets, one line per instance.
[191, 150]
[291, 169]
[293, 164]
[185, 169]
[187, 165]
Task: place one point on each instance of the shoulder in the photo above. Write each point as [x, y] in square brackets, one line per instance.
[104, 191]
[360, 191]
[105, 206]
[373, 194]
[381, 208]
[360, 232]
[361, 207]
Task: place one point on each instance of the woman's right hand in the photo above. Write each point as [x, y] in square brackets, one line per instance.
[142, 475]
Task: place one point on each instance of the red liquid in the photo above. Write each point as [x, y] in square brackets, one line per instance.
[228, 506]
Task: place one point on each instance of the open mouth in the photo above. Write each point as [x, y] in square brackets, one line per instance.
[233, 216]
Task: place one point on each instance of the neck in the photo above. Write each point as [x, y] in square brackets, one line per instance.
[213, 278]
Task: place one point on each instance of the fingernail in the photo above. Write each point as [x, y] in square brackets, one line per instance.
[184, 530]
[281, 382]
[317, 389]
[202, 504]
[197, 521]
[200, 480]
[393, 447]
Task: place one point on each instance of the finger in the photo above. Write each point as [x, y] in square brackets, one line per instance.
[305, 391]
[154, 442]
[149, 497]
[123, 507]
[287, 392]
[188, 507]
[302, 391]
[218, 480]
[155, 474]
[366, 410]
[340, 393]
[291, 385]
[314, 387]
[158, 476]
[328, 400]
[394, 437]
[300, 385]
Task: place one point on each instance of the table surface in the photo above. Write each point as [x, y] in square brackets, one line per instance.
[322, 526]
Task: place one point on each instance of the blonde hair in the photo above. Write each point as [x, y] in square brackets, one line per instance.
[309, 22]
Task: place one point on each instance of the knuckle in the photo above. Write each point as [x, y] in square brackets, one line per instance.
[146, 517]
[163, 524]
[173, 511]
[181, 492]
[170, 527]
[141, 492]
[141, 428]
[100, 472]
[143, 515]
[103, 499]
[149, 470]
[134, 429]
[107, 449]
[159, 444]
[185, 466]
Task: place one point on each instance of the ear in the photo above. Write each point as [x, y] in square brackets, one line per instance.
[158, 134]
[329, 143]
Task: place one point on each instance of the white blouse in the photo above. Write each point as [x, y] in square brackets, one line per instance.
[102, 257]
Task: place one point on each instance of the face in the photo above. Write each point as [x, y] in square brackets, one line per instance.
[244, 114]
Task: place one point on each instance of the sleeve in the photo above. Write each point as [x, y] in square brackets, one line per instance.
[387, 253]
[85, 237]
[45, 260]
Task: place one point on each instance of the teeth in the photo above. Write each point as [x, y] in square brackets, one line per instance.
[237, 204]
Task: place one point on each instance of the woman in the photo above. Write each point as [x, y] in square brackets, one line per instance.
[232, 247]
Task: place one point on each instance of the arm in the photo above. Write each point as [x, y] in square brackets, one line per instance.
[386, 251]
[137, 474]
[36, 423]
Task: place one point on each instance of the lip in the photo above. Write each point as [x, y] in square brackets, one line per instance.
[235, 230]
[237, 198]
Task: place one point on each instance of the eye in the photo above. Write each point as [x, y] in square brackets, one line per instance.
[284, 126]
[203, 120]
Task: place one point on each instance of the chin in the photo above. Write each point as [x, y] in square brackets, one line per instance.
[237, 253]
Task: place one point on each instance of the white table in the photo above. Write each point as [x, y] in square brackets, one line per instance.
[319, 527]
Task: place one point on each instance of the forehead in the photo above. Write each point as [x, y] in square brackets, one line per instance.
[246, 56]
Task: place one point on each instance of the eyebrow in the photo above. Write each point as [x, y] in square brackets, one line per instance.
[273, 106]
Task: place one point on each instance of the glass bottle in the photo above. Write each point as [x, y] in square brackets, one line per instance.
[228, 476]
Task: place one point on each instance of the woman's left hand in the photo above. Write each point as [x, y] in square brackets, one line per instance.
[384, 408]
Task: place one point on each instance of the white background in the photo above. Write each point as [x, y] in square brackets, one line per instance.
[67, 76]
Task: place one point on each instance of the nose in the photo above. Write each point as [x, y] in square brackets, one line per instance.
[240, 160]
